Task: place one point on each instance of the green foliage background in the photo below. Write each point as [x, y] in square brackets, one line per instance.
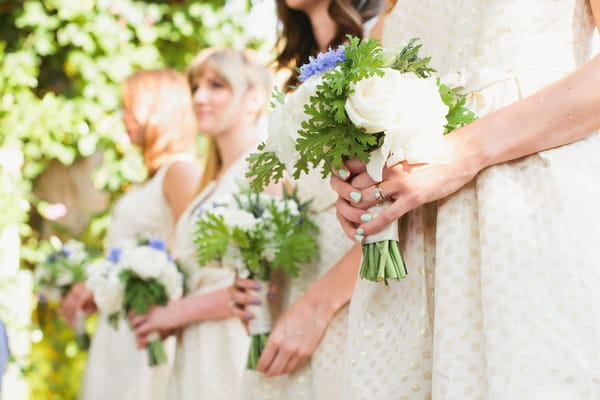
[61, 64]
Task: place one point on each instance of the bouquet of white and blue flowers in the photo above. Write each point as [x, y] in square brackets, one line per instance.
[255, 234]
[64, 265]
[361, 101]
[134, 279]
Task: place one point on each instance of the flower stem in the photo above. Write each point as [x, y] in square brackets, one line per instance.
[156, 353]
[257, 345]
[382, 261]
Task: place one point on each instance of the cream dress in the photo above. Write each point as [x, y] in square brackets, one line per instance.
[210, 356]
[115, 368]
[502, 299]
[319, 379]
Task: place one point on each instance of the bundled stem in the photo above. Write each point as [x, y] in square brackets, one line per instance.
[382, 261]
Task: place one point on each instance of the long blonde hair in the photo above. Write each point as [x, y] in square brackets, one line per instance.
[160, 103]
[242, 73]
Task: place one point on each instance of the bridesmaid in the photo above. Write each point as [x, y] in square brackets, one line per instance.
[159, 118]
[307, 343]
[229, 92]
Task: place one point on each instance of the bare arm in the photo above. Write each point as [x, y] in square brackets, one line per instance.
[179, 185]
[595, 5]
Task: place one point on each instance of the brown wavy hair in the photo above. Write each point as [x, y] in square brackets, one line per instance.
[296, 41]
[160, 102]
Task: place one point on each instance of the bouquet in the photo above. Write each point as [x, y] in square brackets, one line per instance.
[64, 266]
[361, 101]
[134, 279]
[256, 234]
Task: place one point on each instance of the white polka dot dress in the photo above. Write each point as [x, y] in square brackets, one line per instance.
[502, 298]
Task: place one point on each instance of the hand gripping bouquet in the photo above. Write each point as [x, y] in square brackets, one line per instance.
[64, 266]
[256, 234]
[134, 279]
[361, 101]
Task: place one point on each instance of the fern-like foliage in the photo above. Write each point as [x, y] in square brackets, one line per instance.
[458, 113]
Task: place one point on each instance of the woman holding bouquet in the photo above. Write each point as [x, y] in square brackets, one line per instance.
[501, 297]
[307, 343]
[229, 92]
[159, 117]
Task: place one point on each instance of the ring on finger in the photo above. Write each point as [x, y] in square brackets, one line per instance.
[378, 193]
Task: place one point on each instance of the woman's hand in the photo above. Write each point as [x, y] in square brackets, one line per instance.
[160, 319]
[294, 338]
[241, 296]
[408, 186]
[78, 299]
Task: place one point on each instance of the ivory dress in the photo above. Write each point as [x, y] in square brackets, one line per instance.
[502, 299]
[319, 379]
[210, 356]
[115, 368]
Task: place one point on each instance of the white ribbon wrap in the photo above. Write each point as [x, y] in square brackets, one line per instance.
[262, 321]
[390, 232]
[152, 336]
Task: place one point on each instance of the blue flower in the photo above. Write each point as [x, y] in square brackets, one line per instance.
[322, 63]
[114, 254]
[157, 244]
[66, 252]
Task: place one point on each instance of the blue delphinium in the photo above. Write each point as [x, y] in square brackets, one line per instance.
[158, 244]
[322, 63]
[114, 254]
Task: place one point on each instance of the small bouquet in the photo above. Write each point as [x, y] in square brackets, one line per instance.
[255, 234]
[64, 266]
[134, 279]
[361, 101]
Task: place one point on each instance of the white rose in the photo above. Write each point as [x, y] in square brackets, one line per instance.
[286, 120]
[172, 280]
[145, 261]
[408, 109]
[109, 293]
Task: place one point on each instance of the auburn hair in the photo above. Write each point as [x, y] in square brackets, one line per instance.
[160, 102]
[296, 41]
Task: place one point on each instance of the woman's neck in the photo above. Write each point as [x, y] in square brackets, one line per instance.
[233, 144]
[323, 26]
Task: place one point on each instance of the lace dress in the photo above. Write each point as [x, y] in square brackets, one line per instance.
[115, 368]
[210, 356]
[320, 379]
[502, 299]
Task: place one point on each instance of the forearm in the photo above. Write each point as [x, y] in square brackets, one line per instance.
[211, 306]
[561, 113]
[335, 288]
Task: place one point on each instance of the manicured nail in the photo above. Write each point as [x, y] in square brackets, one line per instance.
[358, 238]
[355, 196]
[247, 316]
[256, 286]
[366, 217]
[256, 301]
[360, 231]
[270, 295]
[343, 173]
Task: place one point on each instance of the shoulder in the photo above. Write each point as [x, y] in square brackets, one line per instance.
[181, 174]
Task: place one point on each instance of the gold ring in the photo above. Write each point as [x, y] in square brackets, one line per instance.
[378, 193]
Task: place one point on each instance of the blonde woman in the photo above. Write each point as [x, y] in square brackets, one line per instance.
[159, 118]
[229, 92]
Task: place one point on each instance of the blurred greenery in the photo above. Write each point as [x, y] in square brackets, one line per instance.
[61, 64]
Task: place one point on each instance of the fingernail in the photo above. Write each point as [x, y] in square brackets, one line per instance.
[360, 231]
[343, 173]
[247, 316]
[355, 196]
[256, 286]
[256, 301]
[366, 217]
[270, 295]
[358, 238]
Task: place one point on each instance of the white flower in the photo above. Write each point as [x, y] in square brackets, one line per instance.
[108, 292]
[145, 261]
[286, 120]
[233, 259]
[172, 280]
[240, 218]
[408, 109]
[65, 277]
[269, 252]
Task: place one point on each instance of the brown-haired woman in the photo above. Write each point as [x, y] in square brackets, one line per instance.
[159, 118]
[229, 91]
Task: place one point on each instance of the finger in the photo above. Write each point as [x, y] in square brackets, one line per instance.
[246, 284]
[295, 363]
[342, 173]
[355, 166]
[362, 181]
[144, 329]
[348, 227]
[142, 341]
[281, 360]
[136, 320]
[242, 299]
[345, 190]
[268, 355]
[386, 217]
[351, 213]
